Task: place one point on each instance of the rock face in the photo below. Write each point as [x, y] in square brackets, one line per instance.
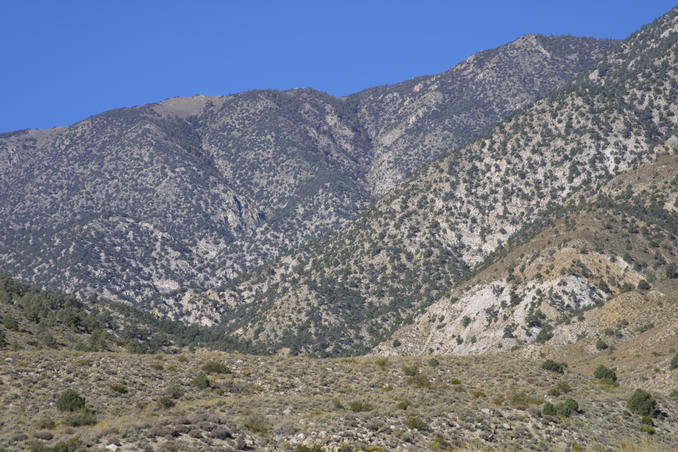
[138, 202]
[412, 247]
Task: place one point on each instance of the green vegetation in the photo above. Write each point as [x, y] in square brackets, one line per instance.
[70, 400]
[605, 375]
[674, 362]
[415, 422]
[554, 366]
[642, 402]
[201, 381]
[214, 367]
[565, 408]
[358, 405]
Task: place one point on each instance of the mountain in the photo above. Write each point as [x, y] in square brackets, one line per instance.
[423, 237]
[599, 273]
[138, 202]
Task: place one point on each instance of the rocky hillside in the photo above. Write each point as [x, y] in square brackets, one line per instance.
[600, 273]
[189, 192]
[414, 244]
[81, 375]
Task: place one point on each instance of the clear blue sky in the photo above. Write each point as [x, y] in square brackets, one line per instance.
[65, 60]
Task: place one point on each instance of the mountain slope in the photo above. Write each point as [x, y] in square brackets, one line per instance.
[606, 264]
[416, 242]
[141, 201]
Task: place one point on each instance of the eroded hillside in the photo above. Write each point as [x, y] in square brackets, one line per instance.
[414, 244]
[190, 192]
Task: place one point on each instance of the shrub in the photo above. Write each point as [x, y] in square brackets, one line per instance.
[433, 362]
[567, 407]
[304, 448]
[201, 381]
[119, 388]
[416, 422]
[561, 388]
[382, 362]
[46, 423]
[11, 323]
[82, 417]
[175, 391]
[403, 405]
[643, 285]
[411, 371]
[548, 409]
[605, 375]
[420, 381]
[256, 424]
[215, 367]
[554, 366]
[358, 405]
[455, 381]
[674, 362]
[522, 400]
[70, 400]
[545, 334]
[601, 345]
[674, 394]
[3, 339]
[166, 402]
[642, 402]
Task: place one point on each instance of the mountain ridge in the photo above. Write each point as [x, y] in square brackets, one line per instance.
[137, 202]
[419, 239]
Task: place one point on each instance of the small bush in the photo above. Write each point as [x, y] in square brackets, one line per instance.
[605, 375]
[119, 388]
[336, 403]
[522, 400]
[420, 381]
[433, 362]
[567, 408]
[674, 394]
[215, 367]
[643, 285]
[554, 366]
[642, 402]
[70, 400]
[304, 448]
[416, 422]
[561, 388]
[455, 381]
[382, 363]
[256, 424]
[11, 323]
[548, 409]
[411, 371]
[544, 335]
[166, 402]
[601, 345]
[175, 391]
[358, 406]
[403, 405]
[674, 362]
[201, 381]
[82, 417]
[46, 423]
